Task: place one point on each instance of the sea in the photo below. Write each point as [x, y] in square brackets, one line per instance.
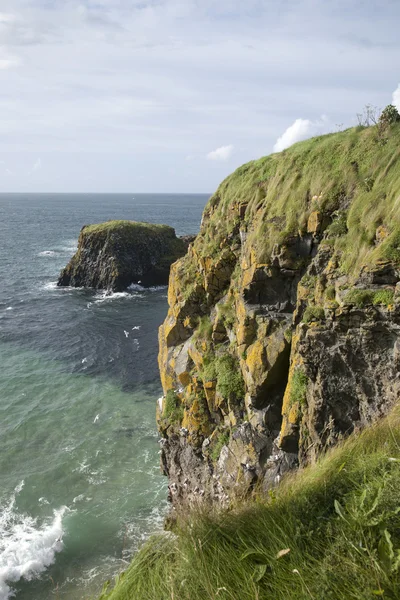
[80, 481]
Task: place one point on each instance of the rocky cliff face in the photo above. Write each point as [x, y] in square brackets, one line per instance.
[115, 254]
[283, 332]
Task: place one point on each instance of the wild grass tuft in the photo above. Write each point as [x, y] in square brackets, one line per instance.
[329, 532]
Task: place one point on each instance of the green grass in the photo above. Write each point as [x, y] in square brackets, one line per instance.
[298, 388]
[230, 382]
[133, 226]
[173, 408]
[313, 313]
[362, 298]
[222, 440]
[349, 176]
[329, 532]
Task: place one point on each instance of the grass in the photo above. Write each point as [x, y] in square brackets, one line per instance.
[298, 389]
[221, 441]
[329, 532]
[348, 176]
[230, 382]
[133, 226]
[313, 313]
[362, 298]
[173, 408]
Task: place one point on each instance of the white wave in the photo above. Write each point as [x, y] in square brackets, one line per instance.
[26, 548]
[52, 285]
[47, 253]
[109, 297]
[9, 308]
[135, 287]
[78, 498]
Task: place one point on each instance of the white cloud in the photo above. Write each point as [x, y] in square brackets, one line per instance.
[104, 86]
[6, 17]
[302, 129]
[396, 98]
[222, 153]
[8, 62]
[36, 167]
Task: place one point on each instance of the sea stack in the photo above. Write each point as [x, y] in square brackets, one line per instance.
[116, 254]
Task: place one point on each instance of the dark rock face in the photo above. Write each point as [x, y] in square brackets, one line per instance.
[115, 254]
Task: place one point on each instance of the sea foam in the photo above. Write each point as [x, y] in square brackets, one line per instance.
[26, 548]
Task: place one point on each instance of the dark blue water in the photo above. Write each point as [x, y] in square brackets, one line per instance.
[80, 485]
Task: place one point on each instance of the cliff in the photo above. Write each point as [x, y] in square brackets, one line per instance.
[115, 254]
[282, 335]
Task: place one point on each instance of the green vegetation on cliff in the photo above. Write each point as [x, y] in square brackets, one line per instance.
[352, 178]
[331, 531]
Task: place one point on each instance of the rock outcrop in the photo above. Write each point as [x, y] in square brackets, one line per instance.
[283, 332]
[115, 254]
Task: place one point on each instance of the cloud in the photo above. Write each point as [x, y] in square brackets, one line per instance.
[222, 153]
[36, 167]
[103, 85]
[8, 62]
[302, 129]
[6, 17]
[396, 98]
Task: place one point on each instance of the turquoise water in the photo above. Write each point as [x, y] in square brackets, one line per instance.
[80, 484]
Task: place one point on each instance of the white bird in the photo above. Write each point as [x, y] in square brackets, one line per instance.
[126, 333]
[96, 418]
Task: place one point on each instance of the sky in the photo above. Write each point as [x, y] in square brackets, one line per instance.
[173, 95]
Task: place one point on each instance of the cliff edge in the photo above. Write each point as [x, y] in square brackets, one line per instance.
[283, 330]
[115, 254]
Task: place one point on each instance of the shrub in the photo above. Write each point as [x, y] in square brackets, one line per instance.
[209, 371]
[362, 298]
[204, 328]
[313, 313]
[230, 382]
[389, 115]
[338, 227]
[330, 293]
[385, 297]
[298, 387]
[173, 409]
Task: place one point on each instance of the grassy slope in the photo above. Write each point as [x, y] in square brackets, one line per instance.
[281, 190]
[339, 519]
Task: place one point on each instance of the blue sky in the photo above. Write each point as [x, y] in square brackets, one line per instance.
[172, 95]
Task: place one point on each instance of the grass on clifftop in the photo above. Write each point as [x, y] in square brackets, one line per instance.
[352, 176]
[329, 532]
[132, 226]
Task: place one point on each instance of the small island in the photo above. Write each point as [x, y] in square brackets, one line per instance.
[115, 254]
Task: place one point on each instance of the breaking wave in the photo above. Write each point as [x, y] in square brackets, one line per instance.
[27, 548]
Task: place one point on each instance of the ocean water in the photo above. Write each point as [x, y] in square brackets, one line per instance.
[80, 484]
